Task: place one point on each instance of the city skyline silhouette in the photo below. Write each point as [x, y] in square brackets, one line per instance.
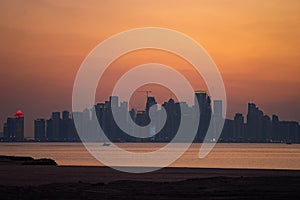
[255, 126]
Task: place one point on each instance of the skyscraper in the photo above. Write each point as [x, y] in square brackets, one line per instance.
[39, 130]
[238, 128]
[204, 103]
[65, 115]
[14, 129]
[275, 129]
[114, 101]
[267, 129]
[218, 108]
[201, 100]
[254, 123]
[150, 102]
[65, 125]
[56, 125]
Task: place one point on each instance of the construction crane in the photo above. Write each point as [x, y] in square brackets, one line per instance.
[146, 91]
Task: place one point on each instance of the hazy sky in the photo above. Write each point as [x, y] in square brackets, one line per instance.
[256, 45]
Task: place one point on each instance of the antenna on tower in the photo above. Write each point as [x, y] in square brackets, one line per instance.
[146, 91]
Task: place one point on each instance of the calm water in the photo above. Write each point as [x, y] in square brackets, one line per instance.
[262, 156]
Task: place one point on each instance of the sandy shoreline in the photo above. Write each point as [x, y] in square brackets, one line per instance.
[21, 175]
[74, 182]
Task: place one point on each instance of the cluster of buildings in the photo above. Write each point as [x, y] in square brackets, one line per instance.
[260, 128]
[60, 127]
[255, 127]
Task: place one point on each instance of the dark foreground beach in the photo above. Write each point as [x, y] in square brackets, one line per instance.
[70, 182]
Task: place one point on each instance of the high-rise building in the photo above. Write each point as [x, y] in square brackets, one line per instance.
[123, 115]
[218, 108]
[65, 115]
[275, 136]
[40, 130]
[254, 123]
[49, 130]
[150, 102]
[201, 100]
[267, 129]
[65, 126]
[172, 123]
[56, 126]
[238, 129]
[291, 131]
[204, 103]
[99, 110]
[14, 129]
[114, 101]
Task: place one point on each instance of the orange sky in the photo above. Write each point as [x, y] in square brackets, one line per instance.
[255, 44]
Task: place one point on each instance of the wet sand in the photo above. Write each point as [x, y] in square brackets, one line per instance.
[71, 182]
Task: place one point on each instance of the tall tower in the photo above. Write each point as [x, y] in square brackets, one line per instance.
[150, 102]
[15, 127]
[218, 109]
[238, 129]
[204, 103]
[114, 101]
[254, 123]
[19, 117]
[201, 98]
[65, 115]
[56, 126]
[65, 126]
[40, 130]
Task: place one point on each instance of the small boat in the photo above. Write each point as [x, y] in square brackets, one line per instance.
[105, 144]
[288, 142]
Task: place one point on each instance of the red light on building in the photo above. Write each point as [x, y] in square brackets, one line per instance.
[19, 114]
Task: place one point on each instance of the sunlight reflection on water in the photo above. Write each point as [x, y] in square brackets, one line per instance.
[260, 156]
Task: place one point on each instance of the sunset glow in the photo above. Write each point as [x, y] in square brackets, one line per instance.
[255, 44]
